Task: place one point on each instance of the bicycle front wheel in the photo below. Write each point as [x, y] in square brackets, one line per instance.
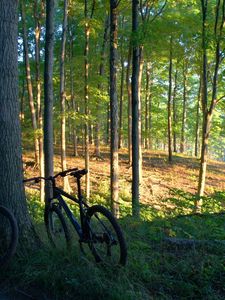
[8, 236]
[57, 229]
[106, 239]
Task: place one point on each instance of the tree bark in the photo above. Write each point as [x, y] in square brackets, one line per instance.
[147, 104]
[38, 16]
[48, 95]
[141, 66]
[129, 111]
[74, 108]
[135, 115]
[11, 177]
[66, 184]
[169, 108]
[175, 112]
[121, 89]
[114, 109]
[197, 128]
[100, 86]
[86, 99]
[184, 113]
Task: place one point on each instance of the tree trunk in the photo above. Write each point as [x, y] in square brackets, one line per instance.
[135, 115]
[74, 108]
[197, 129]
[141, 66]
[150, 111]
[100, 86]
[38, 15]
[48, 95]
[66, 184]
[29, 83]
[114, 108]
[11, 177]
[184, 114]
[86, 98]
[129, 111]
[169, 109]
[121, 89]
[147, 111]
[175, 112]
[121, 104]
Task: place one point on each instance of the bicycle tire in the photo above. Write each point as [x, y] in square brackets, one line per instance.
[105, 232]
[10, 250]
[59, 236]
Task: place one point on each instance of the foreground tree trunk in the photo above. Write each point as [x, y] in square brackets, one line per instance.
[114, 108]
[11, 178]
[48, 94]
[135, 116]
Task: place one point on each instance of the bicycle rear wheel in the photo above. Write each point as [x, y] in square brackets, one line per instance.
[8, 236]
[106, 239]
[56, 227]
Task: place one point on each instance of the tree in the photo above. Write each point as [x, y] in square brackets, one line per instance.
[169, 106]
[114, 107]
[135, 114]
[63, 95]
[86, 92]
[48, 94]
[11, 178]
[38, 16]
[208, 108]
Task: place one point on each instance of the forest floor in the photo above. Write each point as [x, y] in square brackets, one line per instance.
[158, 267]
[160, 178]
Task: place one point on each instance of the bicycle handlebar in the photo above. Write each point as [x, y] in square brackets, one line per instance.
[64, 173]
[73, 172]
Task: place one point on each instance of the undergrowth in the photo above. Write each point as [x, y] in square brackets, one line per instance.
[154, 269]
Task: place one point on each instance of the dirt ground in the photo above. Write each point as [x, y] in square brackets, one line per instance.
[159, 176]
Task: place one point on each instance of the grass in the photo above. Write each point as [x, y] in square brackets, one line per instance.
[155, 269]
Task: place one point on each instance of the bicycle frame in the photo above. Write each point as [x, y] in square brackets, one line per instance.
[57, 194]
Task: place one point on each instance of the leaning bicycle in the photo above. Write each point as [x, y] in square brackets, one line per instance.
[8, 235]
[96, 227]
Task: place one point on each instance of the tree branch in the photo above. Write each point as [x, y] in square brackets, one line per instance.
[159, 12]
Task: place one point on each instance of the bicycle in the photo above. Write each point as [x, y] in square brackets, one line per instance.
[8, 236]
[97, 228]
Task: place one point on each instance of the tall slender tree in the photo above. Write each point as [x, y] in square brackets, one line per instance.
[208, 108]
[63, 95]
[114, 107]
[86, 92]
[48, 94]
[38, 16]
[169, 105]
[135, 113]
